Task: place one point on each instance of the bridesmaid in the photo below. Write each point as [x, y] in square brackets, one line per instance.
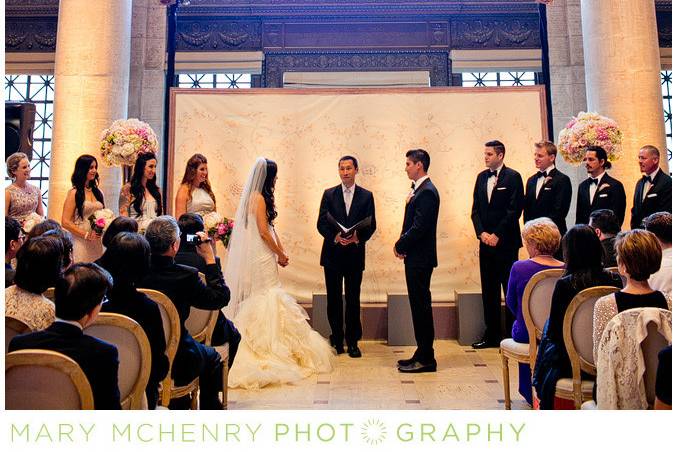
[21, 198]
[82, 200]
[195, 193]
[140, 198]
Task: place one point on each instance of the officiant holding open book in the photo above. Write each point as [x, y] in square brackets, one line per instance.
[346, 220]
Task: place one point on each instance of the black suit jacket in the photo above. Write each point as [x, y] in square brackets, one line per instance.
[500, 215]
[418, 236]
[553, 200]
[351, 257]
[658, 198]
[136, 305]
[612, 197]
[183, 286]
[97, 359]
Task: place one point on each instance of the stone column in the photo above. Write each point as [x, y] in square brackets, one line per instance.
[621, 58]
[91, 89]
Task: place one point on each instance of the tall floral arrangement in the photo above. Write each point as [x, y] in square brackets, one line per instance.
[589, 129]
[125, 139]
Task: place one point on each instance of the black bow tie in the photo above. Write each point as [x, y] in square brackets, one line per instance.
[543, 174]
[412, 186]
[491, 173]
[593, 181]
[647, 179]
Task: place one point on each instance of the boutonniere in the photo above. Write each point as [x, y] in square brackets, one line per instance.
[603, 186]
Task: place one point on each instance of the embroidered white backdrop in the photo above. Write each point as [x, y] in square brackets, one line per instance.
[306, 131]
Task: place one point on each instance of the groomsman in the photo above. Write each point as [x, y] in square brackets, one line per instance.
[497, 206]
[417, 247]
[599, 190]
[653, 190]
[548, 192]
[343, 258]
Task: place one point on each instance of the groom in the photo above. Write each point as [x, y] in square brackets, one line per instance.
[343, 258]
[417, 246]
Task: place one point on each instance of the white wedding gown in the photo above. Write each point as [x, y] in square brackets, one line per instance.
[278, 345]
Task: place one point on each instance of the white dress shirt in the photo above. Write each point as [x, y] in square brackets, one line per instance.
[648, 184]
[348, 196]
[662, 279]
[492, 181]
[594, 187]
[542, 180]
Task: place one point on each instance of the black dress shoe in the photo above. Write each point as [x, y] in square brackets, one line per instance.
[486, 343]
[338, 346]
[339, 349]
[354, 351]
[417, 367]
[406, 362]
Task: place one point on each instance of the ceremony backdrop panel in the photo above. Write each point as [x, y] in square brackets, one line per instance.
[306, 131]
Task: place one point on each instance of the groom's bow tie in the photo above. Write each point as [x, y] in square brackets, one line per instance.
[491, 173]
[412, 186]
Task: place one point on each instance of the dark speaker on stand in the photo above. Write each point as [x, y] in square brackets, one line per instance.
[19, 124]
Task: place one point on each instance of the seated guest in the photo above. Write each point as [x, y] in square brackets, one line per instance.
[128, 259]
[14, 238]
[662, 391]
[38, 267]
[51, 228]
[541, 239]
[638, 256]
[660, 225]
[224, 330]
[184, 287]
[606, 225]
[78, 297]
[120, 224]
[583, 269]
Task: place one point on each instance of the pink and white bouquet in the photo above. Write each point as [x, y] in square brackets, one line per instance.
[30, 221]
[122, 143]
[589, 129]
[218, 227]
[100, 220]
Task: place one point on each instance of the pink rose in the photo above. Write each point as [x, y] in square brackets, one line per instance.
[221, 229]
[100, 223]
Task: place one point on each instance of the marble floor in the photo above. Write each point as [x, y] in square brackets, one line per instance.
[466, 379]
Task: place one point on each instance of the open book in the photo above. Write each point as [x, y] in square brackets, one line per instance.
[346, 232]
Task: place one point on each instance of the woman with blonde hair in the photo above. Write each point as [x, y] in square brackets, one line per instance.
[21, 198]
[541, 238]
[195, 192]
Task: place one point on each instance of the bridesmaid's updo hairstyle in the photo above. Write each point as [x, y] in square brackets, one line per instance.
[79, 181]
[192, 171]
[268, 190]
[13, 162]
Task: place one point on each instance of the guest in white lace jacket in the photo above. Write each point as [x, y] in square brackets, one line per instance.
[639, 255]
[620, 364]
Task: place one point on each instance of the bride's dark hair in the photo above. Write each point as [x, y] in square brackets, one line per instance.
[268, 189]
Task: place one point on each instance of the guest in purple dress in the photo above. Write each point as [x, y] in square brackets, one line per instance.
[541, 239]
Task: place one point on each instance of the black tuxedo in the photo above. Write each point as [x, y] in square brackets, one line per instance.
[499, 215]
[658, 198]
[345, 263]
[611, 196]
[418, 243]
[97, 359]
[553, 201]
[136, 305]
[224, 330]
[183, 286]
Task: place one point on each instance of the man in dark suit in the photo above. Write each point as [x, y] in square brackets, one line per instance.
[548, 192]
[600, 190]
[604, 222]
[653, 190]
[14, 238]
[497, 205]
[77, 298]
[184, 287]
[417, 247]
[224, 330]
[343, 258]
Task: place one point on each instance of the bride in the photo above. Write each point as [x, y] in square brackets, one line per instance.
[278, 345]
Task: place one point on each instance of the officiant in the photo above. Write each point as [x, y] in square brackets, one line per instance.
[346, 221]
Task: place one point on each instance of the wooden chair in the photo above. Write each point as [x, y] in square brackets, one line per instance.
[536, 306]
[578, 337]
[200, 325]
[616, 270]
[172, 328]
[134, 353]
[45, 380]
[13, 327]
